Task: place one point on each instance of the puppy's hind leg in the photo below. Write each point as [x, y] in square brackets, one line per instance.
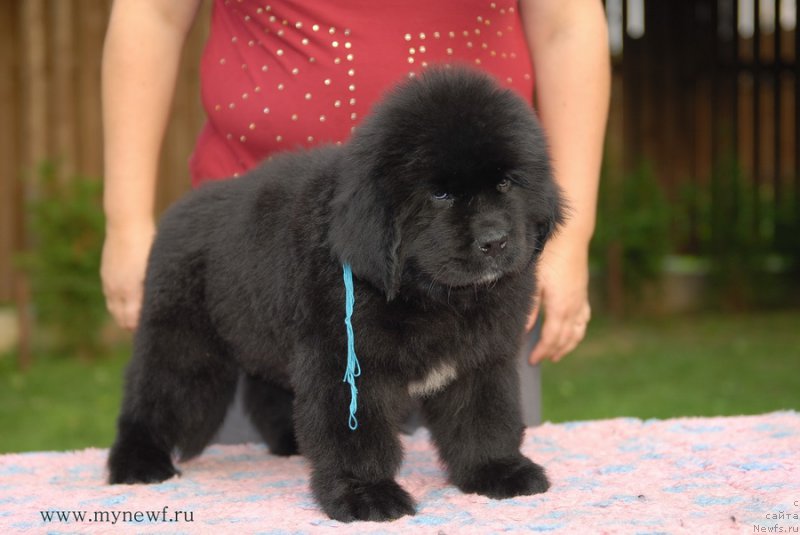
[179, 385]
[270, 409]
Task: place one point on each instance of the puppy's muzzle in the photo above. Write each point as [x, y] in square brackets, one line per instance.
[492, 243]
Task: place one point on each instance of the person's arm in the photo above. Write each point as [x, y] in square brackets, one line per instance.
[568, 40]
[140, 65]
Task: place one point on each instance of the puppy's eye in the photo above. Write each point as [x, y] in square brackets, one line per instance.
[504, 185]
[441, 196]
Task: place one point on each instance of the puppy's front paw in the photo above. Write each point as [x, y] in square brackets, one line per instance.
[505, 478]
[347, 499]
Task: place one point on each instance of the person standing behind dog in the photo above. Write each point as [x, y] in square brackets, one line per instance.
[288, 73]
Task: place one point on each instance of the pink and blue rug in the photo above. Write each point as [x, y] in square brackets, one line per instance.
[689, 475]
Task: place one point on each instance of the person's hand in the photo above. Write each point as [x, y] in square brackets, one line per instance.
[122, 271]
[563, 296]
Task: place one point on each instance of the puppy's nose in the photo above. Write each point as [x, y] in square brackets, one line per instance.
[493, 245]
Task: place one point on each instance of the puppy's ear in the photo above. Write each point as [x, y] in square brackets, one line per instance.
[555, 212]
[366, 232]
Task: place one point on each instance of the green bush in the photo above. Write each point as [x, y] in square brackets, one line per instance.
[633, 226]
[787, 232]
[750, 239]
[65, 221]
[736, 243]
[736, 222]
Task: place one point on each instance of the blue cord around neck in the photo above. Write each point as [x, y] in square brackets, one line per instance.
[353, 367]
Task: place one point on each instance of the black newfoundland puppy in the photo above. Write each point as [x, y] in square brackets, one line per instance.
[440, 204]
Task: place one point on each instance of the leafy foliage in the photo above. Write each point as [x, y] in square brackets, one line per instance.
[66, 224]
[741, 230]
[633, 219]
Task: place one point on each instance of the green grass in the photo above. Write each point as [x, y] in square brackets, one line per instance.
[683, 365]
[701, 365]
[59, 404]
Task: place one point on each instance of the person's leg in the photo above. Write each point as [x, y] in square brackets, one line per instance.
[530, 380]
[237, 427]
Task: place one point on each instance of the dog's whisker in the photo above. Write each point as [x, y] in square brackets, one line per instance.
[435, 279]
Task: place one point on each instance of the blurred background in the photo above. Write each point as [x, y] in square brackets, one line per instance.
[695, 262]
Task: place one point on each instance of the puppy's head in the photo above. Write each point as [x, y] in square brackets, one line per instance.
[447, 184]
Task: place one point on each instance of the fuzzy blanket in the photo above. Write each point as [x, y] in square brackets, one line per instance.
[692, 475]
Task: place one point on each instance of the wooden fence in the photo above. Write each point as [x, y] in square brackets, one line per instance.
[50, 57]
[712, 85]
[690, 89]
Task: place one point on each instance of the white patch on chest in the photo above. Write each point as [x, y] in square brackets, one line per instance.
[436, 379]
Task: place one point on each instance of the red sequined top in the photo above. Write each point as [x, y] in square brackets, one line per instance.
[281, 74]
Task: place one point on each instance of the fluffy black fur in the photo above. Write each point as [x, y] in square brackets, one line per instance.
[441, 203]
